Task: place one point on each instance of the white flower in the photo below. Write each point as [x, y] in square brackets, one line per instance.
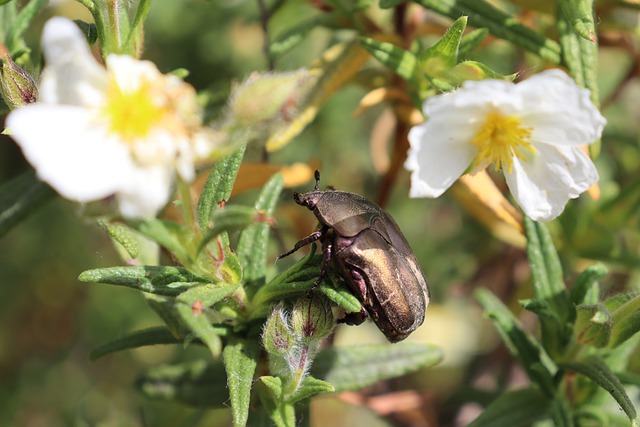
[123, 130]
[532, 130]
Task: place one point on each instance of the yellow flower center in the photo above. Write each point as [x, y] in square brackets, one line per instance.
[500, 139]
[131, 114]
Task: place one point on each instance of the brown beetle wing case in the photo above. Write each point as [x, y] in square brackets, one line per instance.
[385, 281]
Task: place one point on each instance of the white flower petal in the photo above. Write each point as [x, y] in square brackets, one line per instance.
[69, 150]
[544, 183]
[436, 159]
[72, 75]
[146, 192]
[558, 110]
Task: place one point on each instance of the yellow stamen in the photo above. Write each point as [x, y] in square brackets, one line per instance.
[500, 139]
[131, 114]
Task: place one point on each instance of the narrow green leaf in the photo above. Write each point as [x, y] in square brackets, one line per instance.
[388, 4]
[151, 336]
[136, 25]
[231, 218]
[240, 361]
[473, 70]
[20, 197]
[164, 307]
[579, 14]
[597, 371]
[340, 296]
[310, 387]
[471, 41]
[168, 234]
[270, 391]
[549, 286]
[579, 54]
[585, 289]
[593, 325]
[196, 320]
[518, 407]
[351, 368]
[207, 294]
[561, 412]
[521, 344]
[121, 234]
[625, 322]
[482, 14]
[399, 60]
[218, 186]
[25, 17]
[445, 50]
[286, 41]
[197, 384]
[158, 280]
[252, 246]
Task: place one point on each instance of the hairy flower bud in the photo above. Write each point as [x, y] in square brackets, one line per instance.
[18, 87]
[312, 319]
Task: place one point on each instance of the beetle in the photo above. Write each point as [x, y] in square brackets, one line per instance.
[370, 253]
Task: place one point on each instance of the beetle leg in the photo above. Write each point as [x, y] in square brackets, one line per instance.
[317, 235]
[355, 318]
[326, 257]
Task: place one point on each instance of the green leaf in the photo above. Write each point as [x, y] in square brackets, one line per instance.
[208, 294]
[388, 4]
[593, 325]
[549, 286]
[341, 296]
[199, 384]
[218, 187]
[521, 344]
[579, 14]
[585, 289]
[518, 407]
[294, 35]
[21, 196]
[121, 234]
[443, 54]
[351, 368]
[136, 25]
[158, 280]
[579, 48]
[472, 70]
[230, 218]
[310, 387]
[561, 412]
[625, 322]
[503, 25]
[282, 413]
[240, 361]
[150, 336]
[25, 17]
[168, 234]
[252, 246]
[196, 320]
[597, 371]
[471, 41]
[399, 60]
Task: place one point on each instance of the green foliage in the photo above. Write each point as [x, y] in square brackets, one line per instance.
[242, 333]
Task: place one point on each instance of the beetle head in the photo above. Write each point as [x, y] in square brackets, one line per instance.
[311, 198]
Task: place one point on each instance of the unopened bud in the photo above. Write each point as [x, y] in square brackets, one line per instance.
[312, 319]
[269, 98]
[18, 87]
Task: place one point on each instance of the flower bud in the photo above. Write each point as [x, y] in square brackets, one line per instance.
[269, 99]
[18, 87]
[312, 319]
[279, 343]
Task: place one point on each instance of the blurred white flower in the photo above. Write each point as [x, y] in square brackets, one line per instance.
[123, 130]
[532, 130]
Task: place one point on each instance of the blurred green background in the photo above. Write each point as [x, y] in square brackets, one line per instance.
[49, 321]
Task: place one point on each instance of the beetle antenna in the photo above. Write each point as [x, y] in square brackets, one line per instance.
[317, 177]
